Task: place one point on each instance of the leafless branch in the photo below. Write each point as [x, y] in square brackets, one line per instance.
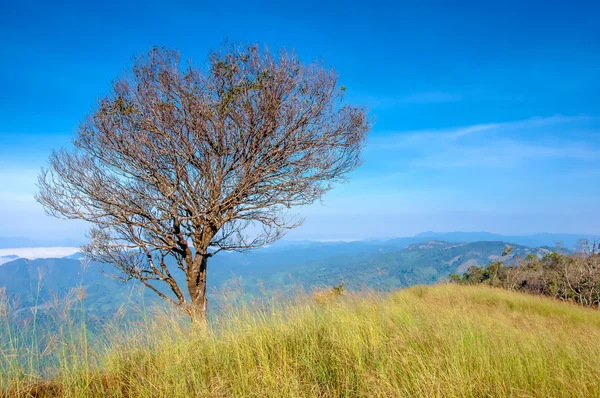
[178, 162]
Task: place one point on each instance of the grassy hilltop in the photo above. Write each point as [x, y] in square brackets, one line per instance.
[440, 341]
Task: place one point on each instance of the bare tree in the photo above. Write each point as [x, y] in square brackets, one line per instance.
[181, 163]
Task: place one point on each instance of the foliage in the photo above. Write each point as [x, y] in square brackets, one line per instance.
[569, 277]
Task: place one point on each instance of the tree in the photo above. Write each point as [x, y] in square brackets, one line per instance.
[180, 163]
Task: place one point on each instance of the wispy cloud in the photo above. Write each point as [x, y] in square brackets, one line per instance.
[39, 252]
[504, 154]
[508, 144]
[523, 127]
[414, 138]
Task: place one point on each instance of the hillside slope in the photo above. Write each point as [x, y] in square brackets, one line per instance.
[386, 268]
[277, 270]
[440, 341]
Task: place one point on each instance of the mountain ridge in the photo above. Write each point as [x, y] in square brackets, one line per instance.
[278, 270]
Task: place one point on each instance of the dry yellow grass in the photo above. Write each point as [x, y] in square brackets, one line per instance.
[440, 341]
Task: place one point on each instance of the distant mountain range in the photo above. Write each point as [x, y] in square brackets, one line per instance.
[536, 240]
[280, 269]
[569, 241]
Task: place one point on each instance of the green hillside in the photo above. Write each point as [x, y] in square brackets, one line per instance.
[386, 267]
[441, 341]
[280, 270]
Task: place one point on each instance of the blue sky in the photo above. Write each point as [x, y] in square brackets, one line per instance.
[487, 114]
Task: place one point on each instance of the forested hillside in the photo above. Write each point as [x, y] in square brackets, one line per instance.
[280, 269]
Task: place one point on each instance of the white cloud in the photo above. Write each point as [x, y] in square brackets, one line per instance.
[408, 139]
[391, 140]
[508, 144]
[39, 252]
[504, 154]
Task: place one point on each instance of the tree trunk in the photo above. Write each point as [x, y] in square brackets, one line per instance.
[196, 281]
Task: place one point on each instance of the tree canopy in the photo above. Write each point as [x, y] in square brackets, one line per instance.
[178, 162]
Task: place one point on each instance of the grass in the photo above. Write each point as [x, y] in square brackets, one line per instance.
[440, 341]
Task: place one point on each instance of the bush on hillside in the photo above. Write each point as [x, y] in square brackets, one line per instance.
[569, 277]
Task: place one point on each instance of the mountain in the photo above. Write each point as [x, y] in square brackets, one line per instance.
[536, 240]
[42, 282]
[280, 269]
[387, 267]
[6, 259]
[543, 239]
